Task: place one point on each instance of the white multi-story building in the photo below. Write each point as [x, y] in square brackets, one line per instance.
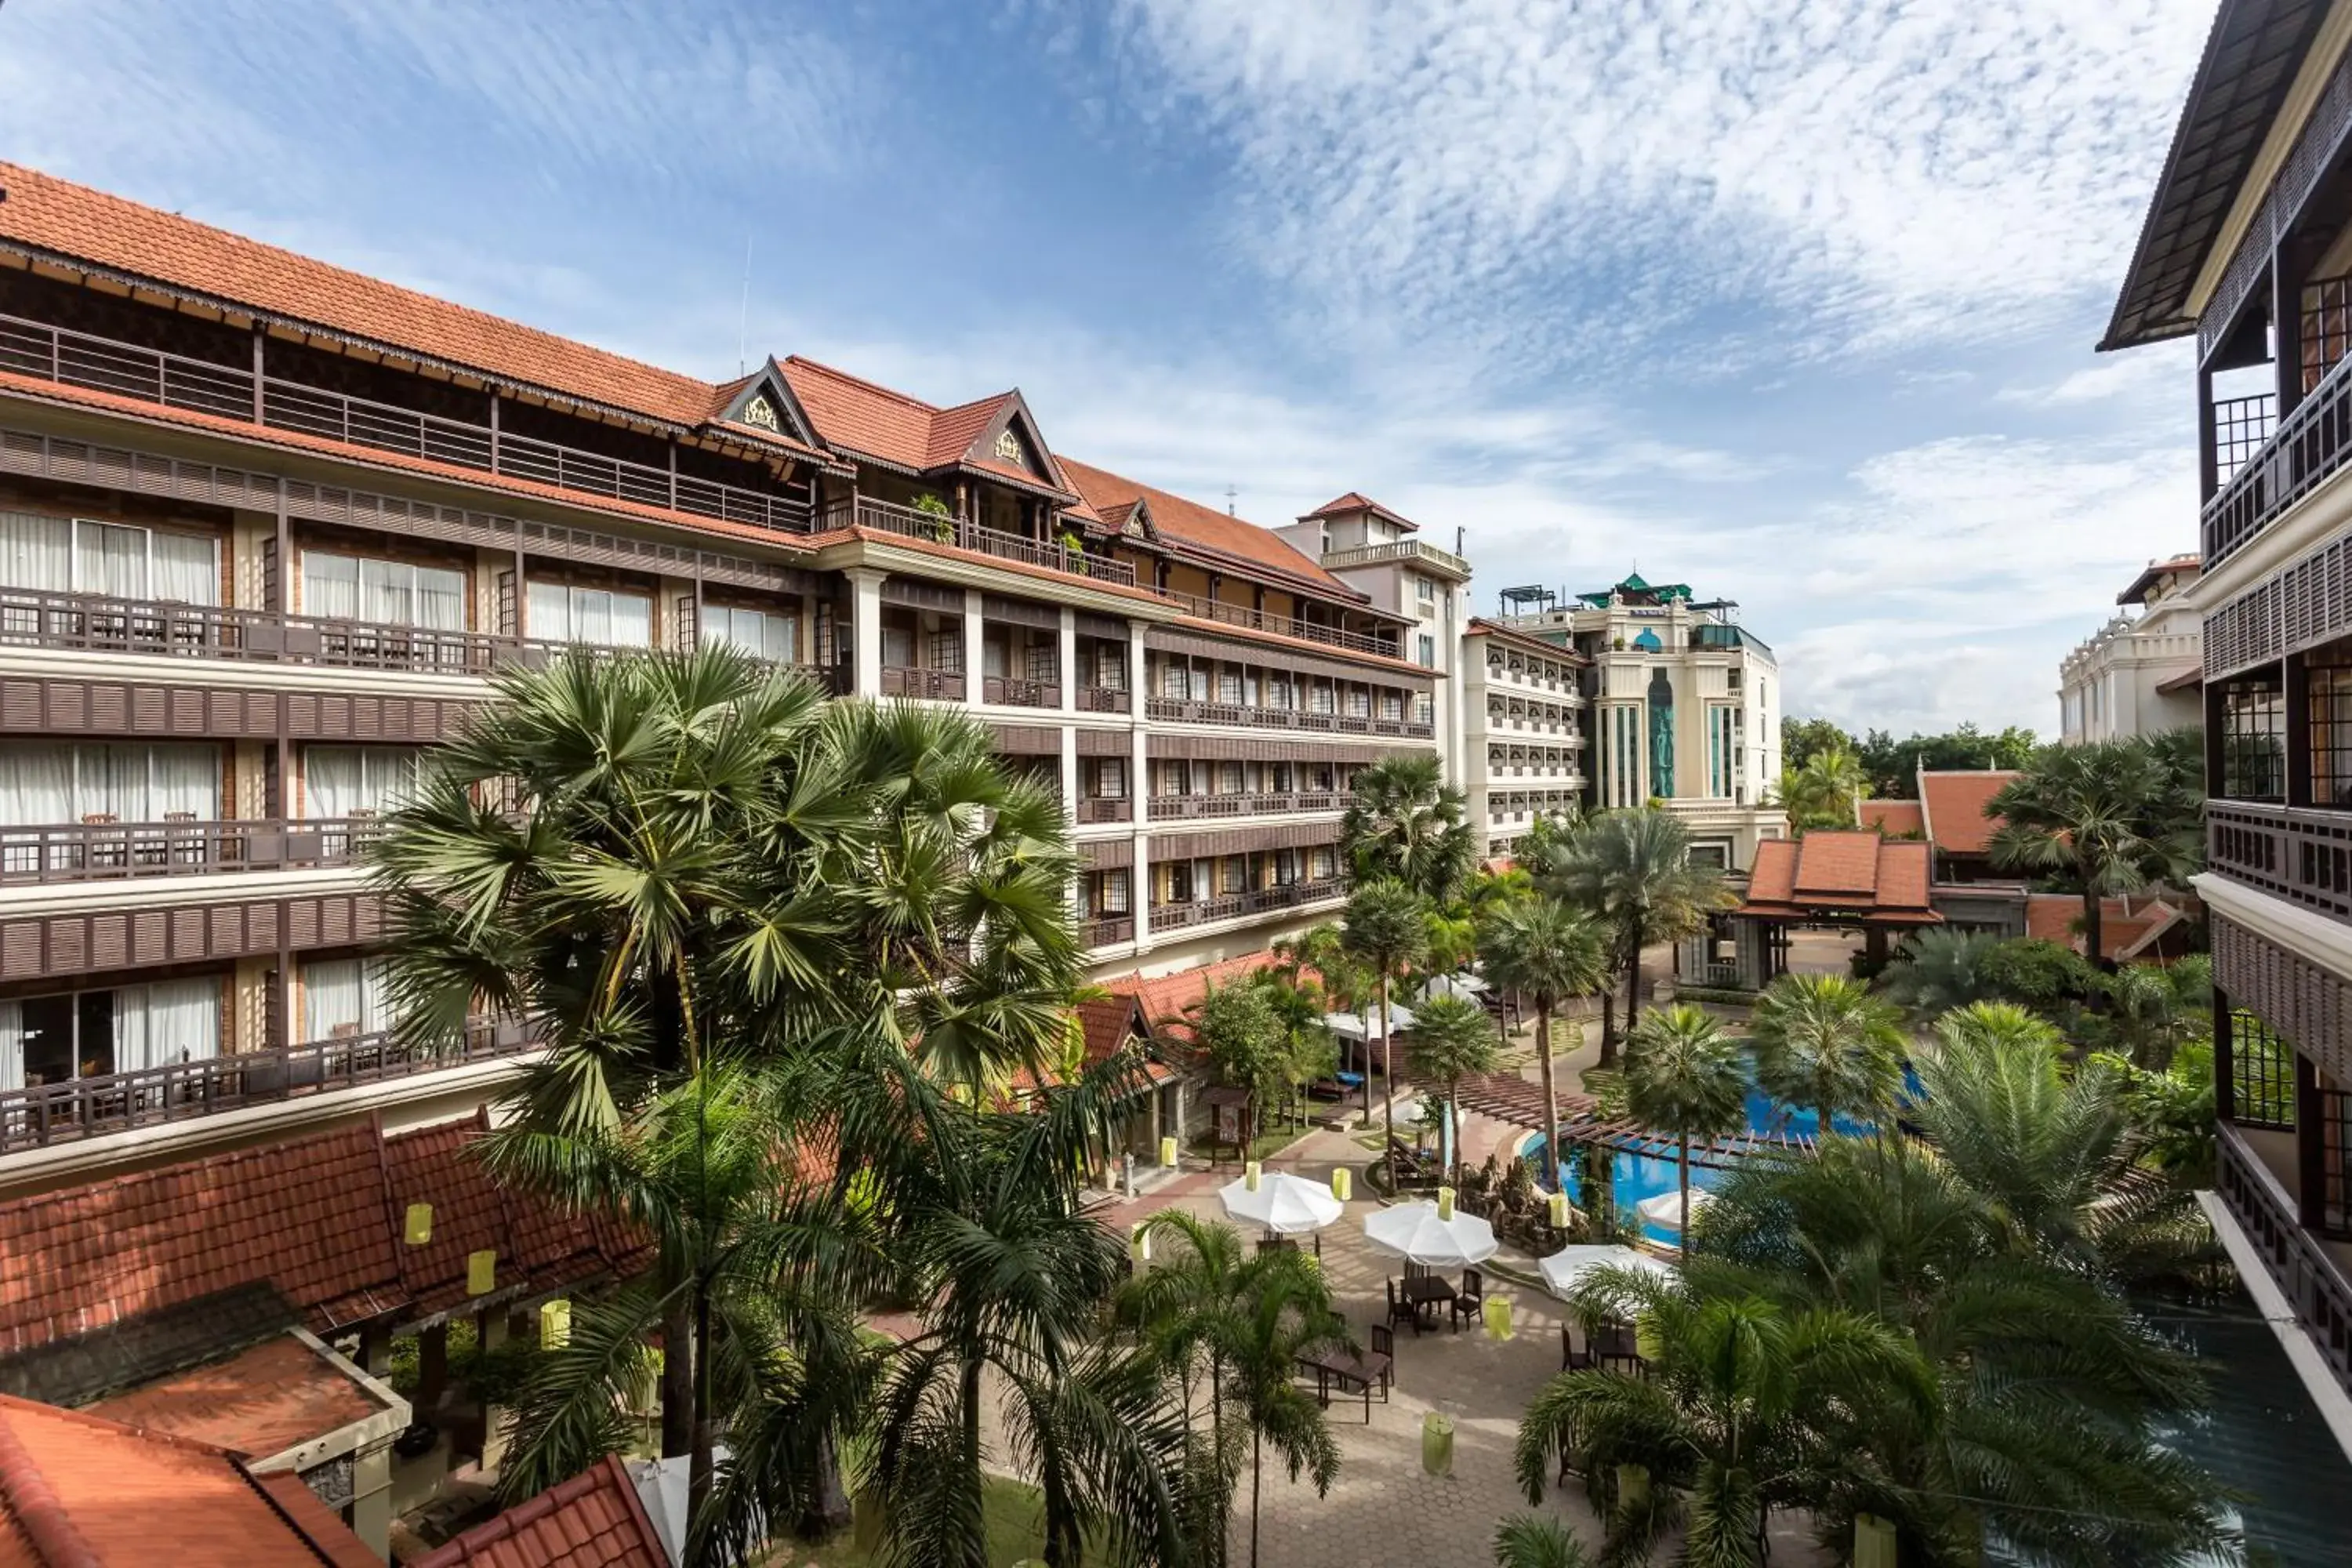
[1686, 709]
[1523, 710]
[2138, 673]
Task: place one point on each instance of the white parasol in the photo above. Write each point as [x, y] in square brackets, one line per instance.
[1413, 1232]
[1284, 1204]
[1665, 1210]
[1563, 1268]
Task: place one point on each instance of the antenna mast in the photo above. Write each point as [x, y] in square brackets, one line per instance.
[743, 314]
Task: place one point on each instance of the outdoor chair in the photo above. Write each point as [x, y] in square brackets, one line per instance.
[1615, 1343]
[1402, 1310]
[1471, 1300]
[1385, 1356]
[1572, 1359]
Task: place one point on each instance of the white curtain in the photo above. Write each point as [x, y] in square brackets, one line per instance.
[550, 610]
[345, 994]
[35, 552]
[330, 586]
[187, 569]
[440, 599]
[186, 779]
[631, 622]
[110, 559]
[330, 781]
[763, 634]
[385, 591]
[112, 782]
[11, 1046]
[37, 786]
[168, 1022]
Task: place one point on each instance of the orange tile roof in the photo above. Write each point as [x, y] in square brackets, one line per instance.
[1953, 804]
[1842, 871]
[1895, 818]
[260, 1402]
[593, 1521]
[2123, 925]
[1165, 998]
[876, 422]
[1189, 522]
[45, 214]
[1355, 501]
[79, 1491]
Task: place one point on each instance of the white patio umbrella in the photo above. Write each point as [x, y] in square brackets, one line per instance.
[1284, 1204]
[1563, 1268]
[1666, 1209]
[1413, 1232]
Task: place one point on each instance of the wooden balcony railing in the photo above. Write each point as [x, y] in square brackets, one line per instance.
[1109, 930]
[44, 1115]
[106, 851]
[1263, 802]
[1103, 699]
[2286, 464]
[1105, 809]
[103, 364]
[1285, 625]
[1185, 711]
[96, 622]
[2296, 853]
[1230, 906]
[1016, 691]
[887, 517]
[2302, 1266]
[907, 680]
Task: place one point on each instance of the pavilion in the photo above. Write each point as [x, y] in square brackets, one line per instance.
[1854, 880]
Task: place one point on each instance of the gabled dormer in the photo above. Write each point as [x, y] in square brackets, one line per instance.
[762, 402]
[1011, 440]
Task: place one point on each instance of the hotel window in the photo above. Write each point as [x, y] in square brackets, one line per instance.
[1428, 651]
[1320, 698]
[344, 996]
[898, 647]
[562, 613]
[1229, 684]
[1042, 661]
[1322, 864]
[2262, 1073]
[1111, 666]
[1360, 702]
[2253, 740]
[44, 785]
[1425, 708]
[1108, 779]
[1108, 893]
[1175, 680]
[1425, 589]
[1171, 776]
[60, 556]
[1233, 874]
[763, 634]
[1176, 883]
[90, 1034]
[2330, 717]
[386, 593]
[1393, 705]
[1229, 778]
[341, 782]
[945, 647]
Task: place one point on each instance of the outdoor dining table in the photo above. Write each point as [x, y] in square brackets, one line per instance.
[1426, 1292]
[1347, 1368]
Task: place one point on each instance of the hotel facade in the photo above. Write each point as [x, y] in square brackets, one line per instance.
[268, 527]
[2246, 254]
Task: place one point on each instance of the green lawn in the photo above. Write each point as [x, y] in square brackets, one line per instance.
[1014, 1533]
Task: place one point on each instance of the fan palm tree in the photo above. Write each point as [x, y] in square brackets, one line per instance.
[1684, 1076]
[1546, 951]
[1825, 1041]
[2153, 1007]
[1536, 1541]
[1453, 1039]
[1631, 871]
[1725, 1418]
[2090, 814]
[1406, 824]
[1386, 928]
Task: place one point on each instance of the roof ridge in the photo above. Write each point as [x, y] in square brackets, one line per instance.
[909, 398]
[38, 1511]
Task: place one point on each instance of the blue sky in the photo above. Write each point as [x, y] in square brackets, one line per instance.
[1791, 302]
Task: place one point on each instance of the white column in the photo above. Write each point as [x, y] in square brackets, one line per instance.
[1066, 659]
[1138, 766]
[1070, 772]
[973, 690]
[865, 628]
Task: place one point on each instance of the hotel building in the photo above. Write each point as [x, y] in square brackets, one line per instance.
[1685, 708]
[2246, 254]
[2137, 674]
[266, 526]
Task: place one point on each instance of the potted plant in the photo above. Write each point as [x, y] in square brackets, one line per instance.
[943, 523]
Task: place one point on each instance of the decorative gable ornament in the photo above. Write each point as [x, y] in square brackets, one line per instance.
[1009, 449]
[761, 415]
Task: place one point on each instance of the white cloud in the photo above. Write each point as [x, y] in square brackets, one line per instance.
[1573, 181]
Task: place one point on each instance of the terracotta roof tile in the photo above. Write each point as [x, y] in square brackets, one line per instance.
[1355, 501]
[47, 213]
[1895, 818]
[1165, 998]
[1773, 878]
[876, 422]
[1109, 1024]
[593, 1521]
[1848, 871]
[260, 1402]
[2123, 923]
[1837, 863]
[115, 1494]
[1905, 868]
[1189, 522]
[1954, 803]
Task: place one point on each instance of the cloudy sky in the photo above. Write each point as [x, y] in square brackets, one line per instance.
[1789, 299]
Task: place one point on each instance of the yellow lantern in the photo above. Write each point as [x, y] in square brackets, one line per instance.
[1139, 1242]
[1438, 1443]
[1560, 1211]
[1168, 1154]
[481, 1272]
[418, 1230]
[1445, 1203]
[554, 1325]
[1874, 1541]
[1343, 1181]
[1251, 1173]
[1497, 1313]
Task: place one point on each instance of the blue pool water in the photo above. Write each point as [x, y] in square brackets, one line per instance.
[1639, 1176]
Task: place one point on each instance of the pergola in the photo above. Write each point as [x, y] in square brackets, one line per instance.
[1514, 1101]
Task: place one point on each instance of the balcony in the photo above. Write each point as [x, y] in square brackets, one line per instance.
[102, 364]
[1108, 931]
[941, 685]
[1284, 626]
[43, 1115]
[2296, 853]
[1232, 906]
[1095, 808]
[1185, 711]
[886, 517]
[2262, 472]
[2309, 1272]
[1013, 692]
[1104, 699]
[109, 851]
[1410, 551]
[1191, 807]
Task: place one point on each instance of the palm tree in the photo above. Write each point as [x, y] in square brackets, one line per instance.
[1386, 928]
[1406, 824]
[1725, 1418]
[1298, 1004]
[1939, 968]
[2153, 1007]
[1682, 1076]
[1631, 871]
[1825, 1041]
[1837, 778]
[1536, 1541]
[1453, 1039]
[2094, 816]
[1546, 952]
[1288, 1316]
